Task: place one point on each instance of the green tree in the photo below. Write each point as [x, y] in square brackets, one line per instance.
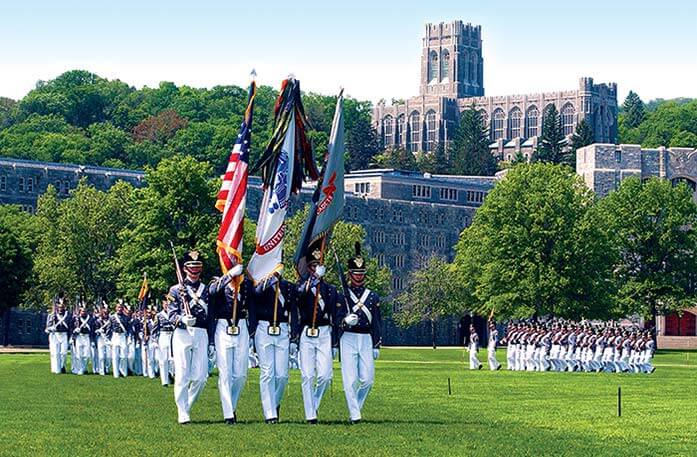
[535, 248]
[551, 146]
[583, 136]
[469, 153]
[431, 294]
[397, 158]
[362, 140]
[684, 139]
[653, 245]
[633, 110]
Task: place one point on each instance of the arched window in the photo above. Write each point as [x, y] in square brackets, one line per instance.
[433, 67]
[499, 121]
[473, 68]
[532, 120]
[485, 119]
[399, 131]
[462, 65]
[388, 132]
[431, 138]
[568, 112]
[514, 118]
[415, 130]
[445, 66]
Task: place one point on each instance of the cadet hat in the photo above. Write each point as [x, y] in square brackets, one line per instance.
[356, 264]
[192, 259]
[314, 254]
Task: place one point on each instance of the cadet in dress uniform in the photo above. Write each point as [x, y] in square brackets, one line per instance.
[231, 297]
[133, 341]
[192, 335]
[102, 336]
[119, 324]
[494, 364]
[473, 348]
[148, 344]
[273, 324]
[59, 327]
[163, 334]
[84, 333]
[317, 311]
[360, 322]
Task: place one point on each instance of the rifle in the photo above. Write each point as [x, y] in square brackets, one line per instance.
[180, 281]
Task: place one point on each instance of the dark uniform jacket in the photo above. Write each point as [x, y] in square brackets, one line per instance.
[263, 303]
[63, 323]
[222, 299]
[306, 305]
[200, 307]
[372, 302]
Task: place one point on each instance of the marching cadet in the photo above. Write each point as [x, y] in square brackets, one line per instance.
[473, 348]
[231, 297]
[102, 336]
[317, 306]
[118, 328]
[133, 341]
[162, 333]
[358, 316]
[59, 327]
[272, 324]
[193, 333]
[83, 333]
[147, 345]
[494, 364]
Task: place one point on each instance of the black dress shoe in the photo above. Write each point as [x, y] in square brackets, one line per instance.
[230, 421]
[165, 385]
[271, 421]
[312, 421]
[354, 422]
[185, 423]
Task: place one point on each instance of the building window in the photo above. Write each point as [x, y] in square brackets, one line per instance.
[399, 238]
[514, 122]
[397, 284]
[399, 133]
[433, 67]
[415, 130]
[381, 259]
[618, 155]
[431, 131]
[474, 196]
[361, 188]
[440, 241]
[397, 216]
[380, 237]
[498, 124]
[3, 183]
[485, 119]
[532, 116]
[387, 126]
[420, 191]
[445, 66]
[21, 184]
[30, 185]
[66, 186]
[568, 112]
[425, 241]
[399, 261]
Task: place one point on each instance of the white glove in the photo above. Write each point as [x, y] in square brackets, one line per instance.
[351, 319]
[320, 271]
[211, 351]
[335, 353]
[50, 329]
[189, 321]
[376, 353]
[236, 270]
[293, 349]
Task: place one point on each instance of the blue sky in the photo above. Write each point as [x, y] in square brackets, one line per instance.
[372, 48]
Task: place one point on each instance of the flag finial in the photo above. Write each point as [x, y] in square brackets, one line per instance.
[253, 73]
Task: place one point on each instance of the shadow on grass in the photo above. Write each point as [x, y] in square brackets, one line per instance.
[242, 423]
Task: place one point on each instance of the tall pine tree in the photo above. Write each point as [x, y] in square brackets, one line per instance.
[634, 110]
[469, 152]
[583, 136]
[551, 146]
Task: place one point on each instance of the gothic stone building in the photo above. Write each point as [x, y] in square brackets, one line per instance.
[604, 166]
[452, 69]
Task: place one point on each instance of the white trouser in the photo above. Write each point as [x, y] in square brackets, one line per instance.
[553, 356]
[598, 358]
[570, 358]
[530, 364]
[542, 361]
[59, 351]
[82, 353]
[273, 366]
[520, 357]
[491, 357]
[190, 349]
[119, 354]
[561, 358]
[315, 360]
[510, 356]
[474, 361]
[148, 361]
[103, 354]
[357, 370]
[164, 344]
[231, 356]
[133, 356]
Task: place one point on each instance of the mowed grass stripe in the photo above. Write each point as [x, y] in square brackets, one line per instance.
[409, 412]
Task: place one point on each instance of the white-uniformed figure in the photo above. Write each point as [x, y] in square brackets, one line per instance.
[118, 329]
[133, 341]
[491, 347]
[83, 332]
[271, 324]
[509, 340]
[163, 334]
[102, 336]
[147, 345]
[473, 348]
[317, 305]
[59, 327]
[231, 297]
[359, 318]
[192, 341]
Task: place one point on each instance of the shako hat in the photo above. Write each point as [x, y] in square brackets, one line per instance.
[356, 264]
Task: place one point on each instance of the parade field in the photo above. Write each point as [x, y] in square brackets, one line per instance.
[409, 412]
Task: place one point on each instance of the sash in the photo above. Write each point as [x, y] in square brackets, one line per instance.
[83, 323]
[196, 296]
[61, 321]
[320, 301]
[104, 326]
[359, 306]
[118, 319]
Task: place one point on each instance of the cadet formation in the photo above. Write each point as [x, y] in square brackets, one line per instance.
[233, 328]
[568, 346]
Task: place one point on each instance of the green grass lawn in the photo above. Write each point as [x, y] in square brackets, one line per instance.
[409, 412]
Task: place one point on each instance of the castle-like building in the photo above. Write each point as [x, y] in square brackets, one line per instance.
[452, 80]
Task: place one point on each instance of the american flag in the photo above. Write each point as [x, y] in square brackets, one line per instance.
[232, 197]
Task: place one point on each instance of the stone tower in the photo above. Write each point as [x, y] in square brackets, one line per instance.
[451, 61]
